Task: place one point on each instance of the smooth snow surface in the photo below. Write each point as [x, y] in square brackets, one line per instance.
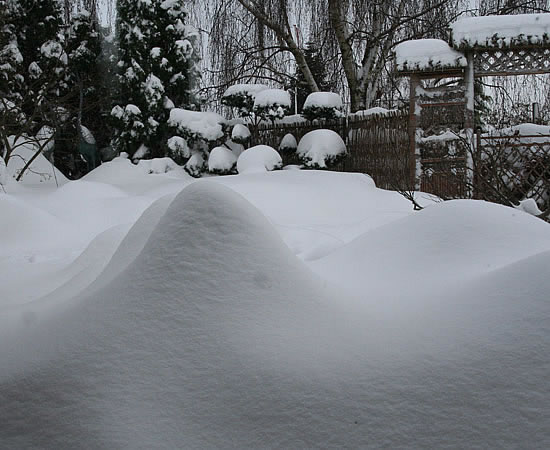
[427, 54]
[501, 31]
[285, 309]
[260, 158]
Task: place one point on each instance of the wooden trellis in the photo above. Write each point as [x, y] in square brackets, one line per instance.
[456, 168]
[530, 60]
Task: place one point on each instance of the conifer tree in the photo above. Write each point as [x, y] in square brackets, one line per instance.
[317, 67]
[40, 39]
[158, 68]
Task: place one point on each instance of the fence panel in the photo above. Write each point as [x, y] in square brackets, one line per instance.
[512, 168]
[378, 145]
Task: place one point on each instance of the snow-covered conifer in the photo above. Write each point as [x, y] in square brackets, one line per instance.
[158, 69]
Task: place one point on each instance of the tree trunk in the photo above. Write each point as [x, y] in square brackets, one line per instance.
[337, 10]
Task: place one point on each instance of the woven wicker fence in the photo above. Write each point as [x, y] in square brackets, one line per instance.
[377, 145]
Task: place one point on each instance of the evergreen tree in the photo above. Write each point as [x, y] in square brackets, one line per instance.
[158, 62]
[317, 66]
[40, 39]
[11, 62]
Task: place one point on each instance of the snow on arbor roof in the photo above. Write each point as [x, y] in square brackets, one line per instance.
[501, 31]
[248, 89]
[427, 54]
[206, 124]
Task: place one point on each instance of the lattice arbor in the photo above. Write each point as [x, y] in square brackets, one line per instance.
[504, 169]
[531, 60]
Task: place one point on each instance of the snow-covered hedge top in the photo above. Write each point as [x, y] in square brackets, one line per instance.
[245, 89]
[206, 124]
[427, 54]
[271, 97]
[323, 100]
[501, 31]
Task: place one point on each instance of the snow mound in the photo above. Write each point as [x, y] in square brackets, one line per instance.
[41, 171]
[260, 158]
[215, 336]
[427, 54]
[221, 160]
[320, 148]
[440, 246]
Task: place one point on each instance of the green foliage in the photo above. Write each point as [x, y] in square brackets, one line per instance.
[321, 112]
[318, 70]
[158, 70]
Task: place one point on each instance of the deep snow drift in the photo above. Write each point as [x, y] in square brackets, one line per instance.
[201, 328]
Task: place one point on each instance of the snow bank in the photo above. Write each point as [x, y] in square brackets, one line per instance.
[41, 171]
[321, 148]
[441, 246]
[260, 158]
[427, 54]
[501, 31]
[261, 353]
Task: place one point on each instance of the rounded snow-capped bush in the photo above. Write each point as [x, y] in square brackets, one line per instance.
[323, 105]
[288, 143]
[242, 96]
[222, 161]
[260, 158]
[272, 104]
[319, 149]
[195, 165]
[240, 134]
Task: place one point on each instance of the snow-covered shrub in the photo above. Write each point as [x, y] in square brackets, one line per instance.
[323, 105]
[260, 158]
[196, 165]
[197, 127]
[240, 134]
[288, 144]
[242, 96]
[222, 161]
[272, 104]
[320, 149]
[195, 132]
[178, 148]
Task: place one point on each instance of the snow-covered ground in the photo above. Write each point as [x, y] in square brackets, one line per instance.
[286, 309]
